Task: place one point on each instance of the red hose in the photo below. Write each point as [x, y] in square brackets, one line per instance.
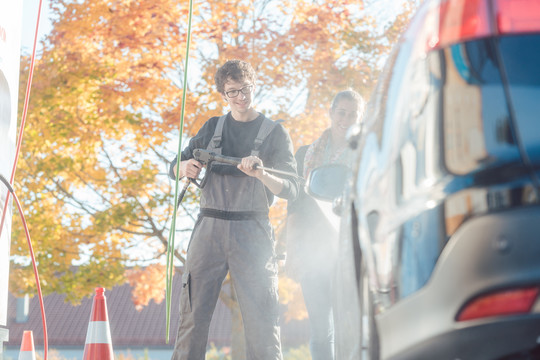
[10, 188]
[36, 274]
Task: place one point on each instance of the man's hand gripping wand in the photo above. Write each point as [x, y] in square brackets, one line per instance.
[207, 157]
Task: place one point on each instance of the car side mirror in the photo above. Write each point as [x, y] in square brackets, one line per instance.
[327, 182]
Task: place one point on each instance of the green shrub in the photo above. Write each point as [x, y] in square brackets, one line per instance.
[218, 354]
[299, 353]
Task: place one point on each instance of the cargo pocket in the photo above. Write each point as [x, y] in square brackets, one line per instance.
[266, 227]
[272, 301]
[185, 296]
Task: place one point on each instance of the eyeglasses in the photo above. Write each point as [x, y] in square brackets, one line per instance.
[234, 93]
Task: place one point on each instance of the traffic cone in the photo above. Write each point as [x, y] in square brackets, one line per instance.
[27, 346]
[98, 338]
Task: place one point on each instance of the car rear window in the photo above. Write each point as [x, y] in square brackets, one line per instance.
[479, 132]
[476, 118]
[521, 59]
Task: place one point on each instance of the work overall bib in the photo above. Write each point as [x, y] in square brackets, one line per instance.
[232, 234]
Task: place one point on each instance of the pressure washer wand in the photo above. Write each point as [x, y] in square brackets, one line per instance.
[182, 193]
[206, 156]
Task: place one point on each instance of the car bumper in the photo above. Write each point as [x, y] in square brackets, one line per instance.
[423, 325]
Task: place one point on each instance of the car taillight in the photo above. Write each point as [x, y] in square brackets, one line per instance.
[462, 20]
[517, 16]
[508, 302]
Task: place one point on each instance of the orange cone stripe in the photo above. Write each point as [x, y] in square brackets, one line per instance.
[98, 333]
[99, 312]
[98, 352]
[27, 341]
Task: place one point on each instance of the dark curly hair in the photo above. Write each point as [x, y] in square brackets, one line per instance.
[236, 70]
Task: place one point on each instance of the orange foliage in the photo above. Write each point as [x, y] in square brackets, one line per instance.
[148, 284]
[290, 293]
[105, 110]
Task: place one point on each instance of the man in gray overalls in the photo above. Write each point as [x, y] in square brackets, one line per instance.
[233, 233]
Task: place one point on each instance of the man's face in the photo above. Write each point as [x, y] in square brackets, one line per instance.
[238, 95]
[343, 115]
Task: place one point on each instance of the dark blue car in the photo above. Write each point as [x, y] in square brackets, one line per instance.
[440, 229]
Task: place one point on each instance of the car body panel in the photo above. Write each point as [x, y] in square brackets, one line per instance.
[443, 203]
[473, 262]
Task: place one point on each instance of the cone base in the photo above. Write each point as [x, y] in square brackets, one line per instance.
[98, 352]
[27, 355]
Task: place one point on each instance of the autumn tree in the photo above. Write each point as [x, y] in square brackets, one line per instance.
[104, 119]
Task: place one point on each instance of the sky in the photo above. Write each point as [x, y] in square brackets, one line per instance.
[30, 12]
[380, 8]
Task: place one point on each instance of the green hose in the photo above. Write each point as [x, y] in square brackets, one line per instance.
[170, 243]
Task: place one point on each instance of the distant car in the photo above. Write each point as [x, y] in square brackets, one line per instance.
[440, 229]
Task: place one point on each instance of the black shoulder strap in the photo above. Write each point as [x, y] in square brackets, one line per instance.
[215, 144]
[300, 158]
[266, 128]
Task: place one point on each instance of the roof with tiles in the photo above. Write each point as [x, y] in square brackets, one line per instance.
[67, 324]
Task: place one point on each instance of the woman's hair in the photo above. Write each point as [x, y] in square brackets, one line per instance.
[236, 70]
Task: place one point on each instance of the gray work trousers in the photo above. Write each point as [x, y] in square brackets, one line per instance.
[245, 248]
